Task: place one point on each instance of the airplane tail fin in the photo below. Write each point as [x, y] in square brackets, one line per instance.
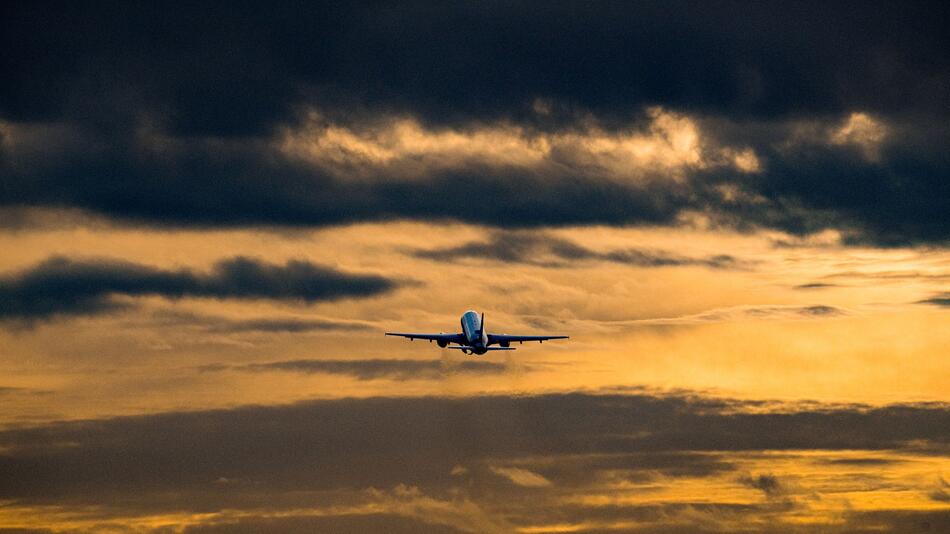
[481, 327]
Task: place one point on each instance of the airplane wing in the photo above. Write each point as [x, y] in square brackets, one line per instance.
[446, 338]
[503, 338]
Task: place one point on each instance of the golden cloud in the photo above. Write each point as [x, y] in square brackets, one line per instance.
[522, 477]
[402, 147]
[863, 131]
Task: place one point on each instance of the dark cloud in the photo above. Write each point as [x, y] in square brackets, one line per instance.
[199, 182]
[374, 368]
[334, 455]
[817, 310]
[60, 285]
[232, 69]
[166, 115]
[385, 441]
[939, 495]
[942, 492]
[341, 524]
[897, 521]
[868, 461]
[245, 183]
[815, 285]
[551, 251]
[940, 299]
[890, 275]
[767, 484]
[895, 200]
[821, 310]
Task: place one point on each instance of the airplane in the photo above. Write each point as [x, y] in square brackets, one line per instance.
[473, 339]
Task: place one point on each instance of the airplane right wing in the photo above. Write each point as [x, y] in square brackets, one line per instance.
[505, 338]
[441, 338]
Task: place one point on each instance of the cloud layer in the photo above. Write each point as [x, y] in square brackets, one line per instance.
[60, 285]
[233, 70]
[372, 369]
[551, 251]
[513, 116]
[570, 451]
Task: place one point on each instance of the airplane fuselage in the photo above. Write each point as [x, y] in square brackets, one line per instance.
[475, 335]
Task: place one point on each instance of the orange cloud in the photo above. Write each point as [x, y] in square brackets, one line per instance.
[404, 148]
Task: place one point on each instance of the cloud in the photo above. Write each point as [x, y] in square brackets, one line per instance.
[522, 477]
[402, 148]
[815, 285]
[868, 461]
[373, 369]
[285, 325]
[344, 523]
[863, 131]
[462, 514]
[895, 275]
[226, 325]
[673, 169]
[392, 456]
[474, 61]
[891, 202]
[595, 179]
[942, 492]
[550, 251]
[423, 439]
[939, 495]
[898, 521]
[252, 182]
[940, 299]
[768, 484]
[777, 133]
[773, 312]
[62, 286]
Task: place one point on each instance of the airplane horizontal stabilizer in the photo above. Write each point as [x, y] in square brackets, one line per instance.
[488, 348]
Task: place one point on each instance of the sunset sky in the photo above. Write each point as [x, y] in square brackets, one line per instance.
[738, 211]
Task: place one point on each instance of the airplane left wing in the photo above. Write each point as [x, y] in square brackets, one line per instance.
[443, 338]
[505, 338]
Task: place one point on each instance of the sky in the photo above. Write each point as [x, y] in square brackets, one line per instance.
[738, 211]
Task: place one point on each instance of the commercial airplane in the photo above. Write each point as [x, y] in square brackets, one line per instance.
[474, 339]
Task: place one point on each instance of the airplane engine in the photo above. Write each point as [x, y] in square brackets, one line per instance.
[505, 344]
[442, 343]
